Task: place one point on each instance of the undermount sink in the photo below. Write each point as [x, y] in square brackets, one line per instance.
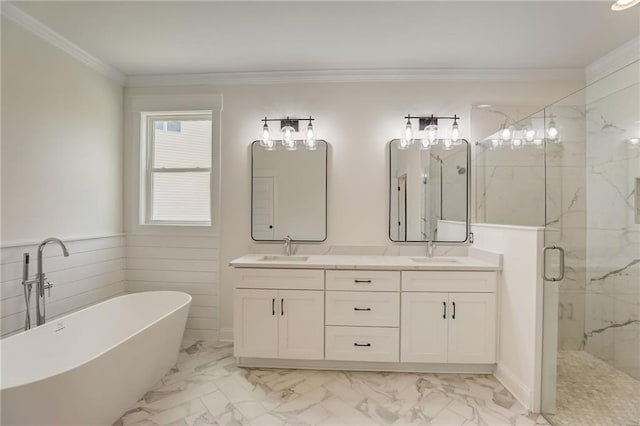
[283, 258]
[434, 260]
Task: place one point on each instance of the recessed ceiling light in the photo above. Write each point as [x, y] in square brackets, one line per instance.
[624, 4]
[487, 105]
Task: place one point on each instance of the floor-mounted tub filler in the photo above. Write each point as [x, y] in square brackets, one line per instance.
[89, 367]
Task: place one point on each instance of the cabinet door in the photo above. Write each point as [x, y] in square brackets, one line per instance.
[472, 328]
[301, 324]
[255, 322]
[424, 327]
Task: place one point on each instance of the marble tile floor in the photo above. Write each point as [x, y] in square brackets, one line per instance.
[207, 388]
[591, 392]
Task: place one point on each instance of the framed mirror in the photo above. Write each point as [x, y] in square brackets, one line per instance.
[429, 192]
[289, 193]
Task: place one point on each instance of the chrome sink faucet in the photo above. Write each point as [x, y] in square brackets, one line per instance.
[287, 245]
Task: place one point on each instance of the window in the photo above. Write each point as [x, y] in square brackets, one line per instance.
[178, 168]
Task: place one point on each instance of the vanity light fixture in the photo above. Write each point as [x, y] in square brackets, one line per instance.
[624, 4]
[634, 141]
[432, 130]
[429, 124]
[408, 130]
[455, 131]
[288, 128]
[309, 137]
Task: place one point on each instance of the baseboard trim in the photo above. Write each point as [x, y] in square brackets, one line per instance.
[226, 334]
[366, 366]
[521, 392]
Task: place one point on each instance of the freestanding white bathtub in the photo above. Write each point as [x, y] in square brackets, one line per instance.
[89, 367]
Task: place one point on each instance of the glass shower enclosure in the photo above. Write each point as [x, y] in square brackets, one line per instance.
[574, 168]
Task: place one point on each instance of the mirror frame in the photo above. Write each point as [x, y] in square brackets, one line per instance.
[467, 202]
[326, 197]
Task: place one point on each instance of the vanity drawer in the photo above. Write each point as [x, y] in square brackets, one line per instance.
[363, 280]
[362, 344]
[450, 281]
[363, 308]
[295, 279]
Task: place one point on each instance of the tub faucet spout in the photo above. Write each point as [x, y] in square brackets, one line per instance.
[42, 283]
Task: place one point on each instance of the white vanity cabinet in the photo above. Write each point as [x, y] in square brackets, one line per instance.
[407, 317]
[274, 319]
[456, 326]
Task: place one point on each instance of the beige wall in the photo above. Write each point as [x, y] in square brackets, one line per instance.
[61, 175]
[61, 143]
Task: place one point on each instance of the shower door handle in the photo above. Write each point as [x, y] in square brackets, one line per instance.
[544, 263]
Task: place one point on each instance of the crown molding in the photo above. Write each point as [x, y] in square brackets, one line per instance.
[624, 55]
[36, 27]
[357, 75]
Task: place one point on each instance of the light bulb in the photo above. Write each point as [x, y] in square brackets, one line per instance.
[403, 144]
[455, 131]
[634, 141]
[287, 133]
[529, 134]
[537, 143]
[432, 133]
[552, 131]
[495, 143]
[309, 141]
[269, 145]
[447, 143]
[266, 135]
[516, 144]
[408, 130]
[506, 133]
[425, 144]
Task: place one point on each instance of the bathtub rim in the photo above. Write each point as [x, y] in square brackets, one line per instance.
[120, 342]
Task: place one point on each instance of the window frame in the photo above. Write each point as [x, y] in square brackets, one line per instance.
[147, 124]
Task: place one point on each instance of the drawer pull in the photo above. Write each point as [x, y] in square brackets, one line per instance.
[444, 310]
[362, 281]
[454, 311]
[361, 309]
[273, 307]
[362, 344]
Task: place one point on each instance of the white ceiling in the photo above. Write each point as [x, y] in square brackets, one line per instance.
[201, 37]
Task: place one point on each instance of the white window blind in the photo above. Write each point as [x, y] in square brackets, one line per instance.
[178, 169]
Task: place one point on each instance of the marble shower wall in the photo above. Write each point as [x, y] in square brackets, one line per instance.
[612, 329]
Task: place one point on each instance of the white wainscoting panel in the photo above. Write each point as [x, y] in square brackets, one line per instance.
[179, 263]
[93, 272]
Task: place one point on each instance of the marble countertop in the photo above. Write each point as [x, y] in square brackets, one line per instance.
[389, 263]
